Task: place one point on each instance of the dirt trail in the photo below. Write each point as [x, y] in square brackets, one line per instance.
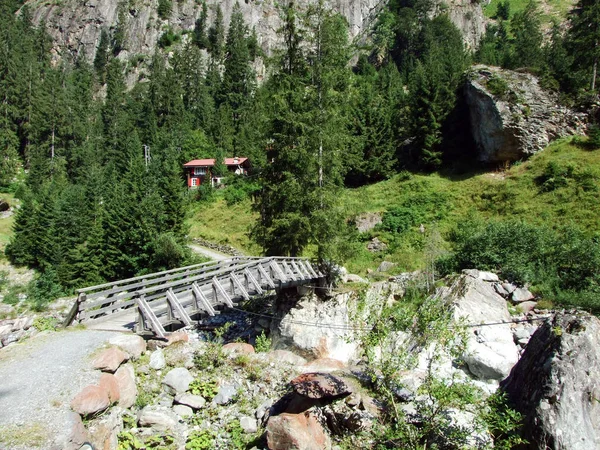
[38, 379]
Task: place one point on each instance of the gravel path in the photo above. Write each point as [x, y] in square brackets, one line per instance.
[212, 254]
[38, 379]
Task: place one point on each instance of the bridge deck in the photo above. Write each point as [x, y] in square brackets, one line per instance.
[151, 302]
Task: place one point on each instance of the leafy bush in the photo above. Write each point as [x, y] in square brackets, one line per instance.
[165, 7]
[497, 86]
[238, 189]
[168, 38]
[263, 343]
[423, 207]
[44, 289]
[594, 136]
[204, 388]
[555, 176]
[45, 324]
[200, 440]
[562, 264]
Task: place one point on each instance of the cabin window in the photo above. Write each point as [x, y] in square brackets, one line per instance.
[194, 181]
[199, 170]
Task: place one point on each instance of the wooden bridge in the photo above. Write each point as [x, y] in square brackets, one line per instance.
[150, 303]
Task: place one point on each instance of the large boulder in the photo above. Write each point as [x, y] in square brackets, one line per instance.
[110, 359]
[178, 380]
[91, 400]
[556, 384]
[512, 117]
[491, 352]
[296, 432]
[134, 345]
[125, 376]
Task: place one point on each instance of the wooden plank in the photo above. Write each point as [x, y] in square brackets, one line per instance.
[275, 267]
[239, 285]
[253, 281]
[203, 300]
[312, 270]
[265, 276]
[149, 315]
[221, 291]
[177, 308]
[74, 311]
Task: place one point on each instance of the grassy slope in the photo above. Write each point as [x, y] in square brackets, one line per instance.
[512, 193]
[550, 8]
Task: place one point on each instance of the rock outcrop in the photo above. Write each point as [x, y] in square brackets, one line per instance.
[76, 25]
[556, 384]
[512, 117]
[491, 352]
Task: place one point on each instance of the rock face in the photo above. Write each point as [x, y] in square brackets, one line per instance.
[556, 385]
[76, 25]
[512, 117]
[491, 351]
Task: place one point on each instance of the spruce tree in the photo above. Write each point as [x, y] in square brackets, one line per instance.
[584, 39]
[200, 36]
[216, 36]
[528, 37]
[102, 52]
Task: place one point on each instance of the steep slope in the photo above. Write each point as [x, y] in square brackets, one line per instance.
[76, 25]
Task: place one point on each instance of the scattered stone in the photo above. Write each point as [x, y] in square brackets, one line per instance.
[177, 336]
[183, 410]
[23, 323]
[262, 409]
[90, 400]
[352, 278]
[325, 365]
[104, 431]
[320, 386]
[285, 356]
[376, 245]
[555, 384]
[110, 359]
[358, 420]
[385, 266]
[178, 380]
[508, 287]
[238, 348]
[520, 295]
[481, 275]
[296, 431]
[500, 290]
[109, 383]
[125, 376]
[225, 395]
[526, 307]
[78, 434]
[191, 400]
[157, 360]
[131, 343]
[248, 424]
[158, 417]
[367, 221]
[4, 205]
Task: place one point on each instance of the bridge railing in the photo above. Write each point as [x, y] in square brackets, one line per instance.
[105, 299]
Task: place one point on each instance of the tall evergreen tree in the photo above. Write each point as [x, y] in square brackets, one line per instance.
[200, 36]
[216, 36]
[584, 39]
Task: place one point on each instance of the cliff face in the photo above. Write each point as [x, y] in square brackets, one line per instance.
[76, 25]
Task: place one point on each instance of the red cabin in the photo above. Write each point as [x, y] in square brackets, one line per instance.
[198, 171]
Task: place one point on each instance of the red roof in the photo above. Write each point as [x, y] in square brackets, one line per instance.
[200, 163]
[211, 162]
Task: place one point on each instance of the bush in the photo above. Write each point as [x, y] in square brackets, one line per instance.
[165, 7]
[168, 38]
[238, 189]
[497, 86]
[423, 207]
[594, 136]
[562, 264]
[263, 343]
[44, 289]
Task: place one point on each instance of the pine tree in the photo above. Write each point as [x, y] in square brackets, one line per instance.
[584, 38]
[102, 52]
[528, 37]
[200, 37]
[216, 36]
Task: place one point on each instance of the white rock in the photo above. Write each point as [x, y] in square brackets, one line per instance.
[520, 295]
[191, 400]
[248, 424]
[183, 410]
[157, 360]
[131, 343]
[157, 417]
[178, 380]
[491, 351]
[225, 394]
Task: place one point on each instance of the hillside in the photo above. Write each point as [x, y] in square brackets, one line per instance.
[443, 202]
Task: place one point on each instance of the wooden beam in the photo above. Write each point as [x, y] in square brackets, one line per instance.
[177, 308]
[265, 276]
[312, 270]
[275, 267]
[236, 282]
[296, 267]
[201, 300]
[149, 316]
[219, 290]
[251, 280]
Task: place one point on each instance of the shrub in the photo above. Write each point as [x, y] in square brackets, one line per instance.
[555, 176]
[204, 388]
[497, 86]
[165, 7]
[594, 136]
[44, 289]
[168, 38]
[200, 440]
[263, 343]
